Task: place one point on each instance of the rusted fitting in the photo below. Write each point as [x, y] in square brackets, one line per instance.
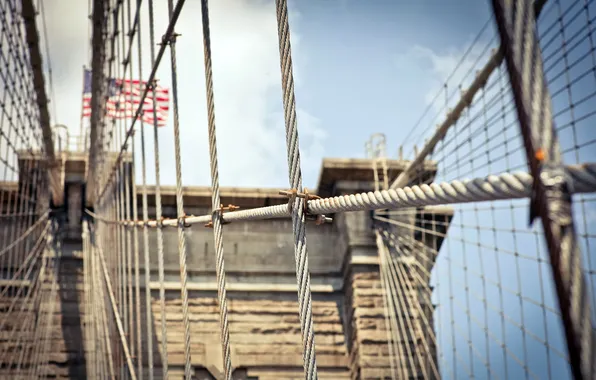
[172, 39]
[182, 220]
[229, 207]
[320, 219]
[293, 193]
[222, 209]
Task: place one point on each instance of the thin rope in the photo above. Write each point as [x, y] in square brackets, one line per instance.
[295, 176]
[215, 199]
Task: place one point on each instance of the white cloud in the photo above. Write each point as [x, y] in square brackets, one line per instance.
[449, 67]
[249, 114]
[444, 73]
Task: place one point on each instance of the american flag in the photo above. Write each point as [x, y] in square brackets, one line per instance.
[119, 104]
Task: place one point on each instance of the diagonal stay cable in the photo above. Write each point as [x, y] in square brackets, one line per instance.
[551, 200]
[25, 234]
[117, 318]
[454, 114]
[217, 211]
[175, 13]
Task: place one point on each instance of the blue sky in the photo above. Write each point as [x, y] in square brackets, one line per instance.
[363, 68]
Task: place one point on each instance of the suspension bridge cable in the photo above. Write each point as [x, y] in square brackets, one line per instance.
[135, 212]
[171, 41]
[117, 318]
[216, 207]
[169, 34]
[295, 176]
[516, 185]
[158, 216]
[551, 201]
[48, 57]
[454, 114]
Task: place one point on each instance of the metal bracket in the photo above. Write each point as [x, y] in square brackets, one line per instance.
[292, 194]
[220, 212]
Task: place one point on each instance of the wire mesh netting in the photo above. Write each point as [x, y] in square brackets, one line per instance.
[467, 286]
[27, 264]
[496, 312]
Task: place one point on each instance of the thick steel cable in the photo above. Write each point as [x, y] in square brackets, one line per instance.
[158, 215]
[295, 176]
[215, 199]
[35, 60]
[551, 202]
[514, 185]
[180, 201]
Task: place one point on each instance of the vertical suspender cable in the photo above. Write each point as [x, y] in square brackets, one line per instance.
[215, 200]
[147, 270]
[135, 211]
[180, 204]
[298, 217]
[158, 214]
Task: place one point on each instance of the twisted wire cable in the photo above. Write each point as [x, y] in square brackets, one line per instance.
[117, 318]
[552, 200]
[137, 274]
[295, 176]
[516, 185]
[158, 214]
[180, 205]
[128, 194]
[215, 199]
[454, 114]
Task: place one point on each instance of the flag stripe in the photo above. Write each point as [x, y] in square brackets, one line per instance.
[124, 99]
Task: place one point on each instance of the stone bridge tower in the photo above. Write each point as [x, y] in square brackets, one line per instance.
[351, 338]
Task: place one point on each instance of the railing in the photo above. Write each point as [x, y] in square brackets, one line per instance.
[65, 142]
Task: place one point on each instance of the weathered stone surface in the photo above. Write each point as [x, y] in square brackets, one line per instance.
[348, 308]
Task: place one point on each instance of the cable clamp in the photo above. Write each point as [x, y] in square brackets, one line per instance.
[557, 189]
[151, 85]
[220, 212]
[292, 194]
[169, 41]
[182, 221]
